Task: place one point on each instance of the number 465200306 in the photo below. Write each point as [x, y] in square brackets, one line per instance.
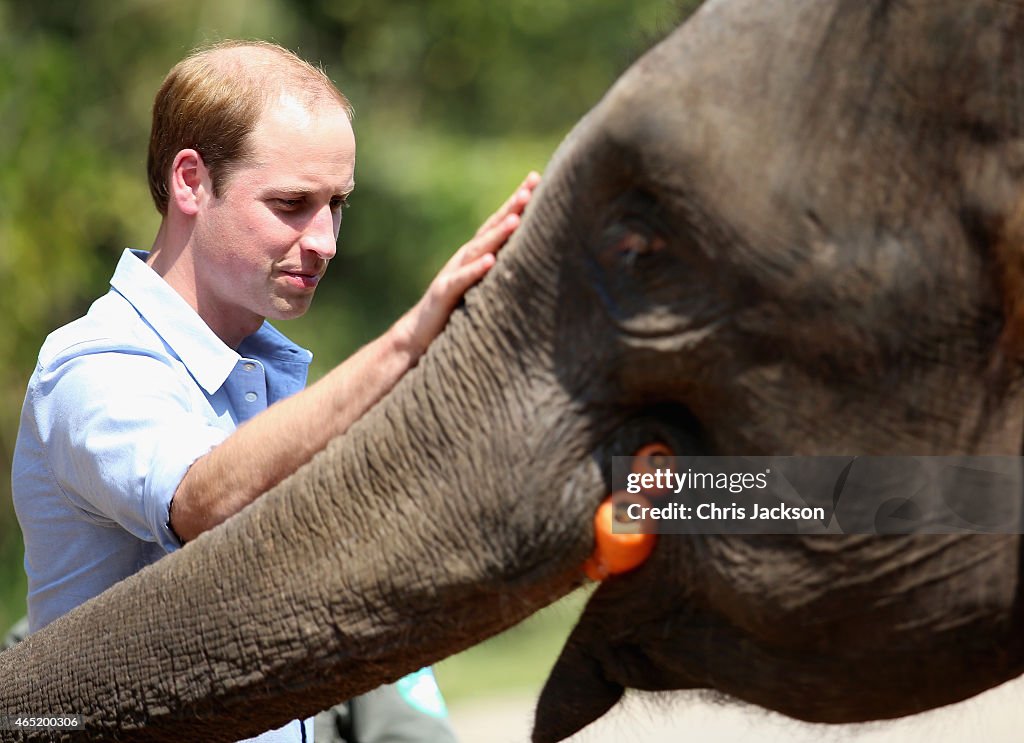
[40, 722]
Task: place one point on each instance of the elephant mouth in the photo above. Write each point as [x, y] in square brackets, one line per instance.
[582, 671]
[672, 425]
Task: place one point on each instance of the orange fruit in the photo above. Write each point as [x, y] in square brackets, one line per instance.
[615, 553]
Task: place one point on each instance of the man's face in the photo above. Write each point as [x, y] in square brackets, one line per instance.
[262, 246]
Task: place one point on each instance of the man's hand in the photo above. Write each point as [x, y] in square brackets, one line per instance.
[424, 322]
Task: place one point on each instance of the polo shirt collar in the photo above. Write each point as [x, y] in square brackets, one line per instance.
[206, 356]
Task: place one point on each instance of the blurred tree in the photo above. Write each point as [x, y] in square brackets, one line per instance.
[455, 101]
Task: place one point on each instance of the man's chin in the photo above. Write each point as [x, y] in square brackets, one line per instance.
[290, 308]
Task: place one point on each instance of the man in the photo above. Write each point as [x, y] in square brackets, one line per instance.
[172, 404]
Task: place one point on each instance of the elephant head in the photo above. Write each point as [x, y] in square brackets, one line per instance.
[790, 228]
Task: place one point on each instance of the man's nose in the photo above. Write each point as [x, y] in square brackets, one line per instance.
[320, 236]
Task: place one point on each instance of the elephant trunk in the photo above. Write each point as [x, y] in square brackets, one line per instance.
[423, 530]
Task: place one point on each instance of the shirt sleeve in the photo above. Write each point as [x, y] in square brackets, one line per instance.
[120, 430]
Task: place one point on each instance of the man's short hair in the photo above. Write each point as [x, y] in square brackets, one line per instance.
[212, 100]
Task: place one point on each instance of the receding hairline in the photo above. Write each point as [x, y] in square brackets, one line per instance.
[271, 69]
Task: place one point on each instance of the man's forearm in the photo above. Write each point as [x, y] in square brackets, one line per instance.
[275, 443]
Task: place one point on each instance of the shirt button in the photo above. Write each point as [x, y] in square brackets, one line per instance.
[249, 366]
[251, 396]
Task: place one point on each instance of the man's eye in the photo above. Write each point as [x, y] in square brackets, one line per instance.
[288, 204]
[339, 204]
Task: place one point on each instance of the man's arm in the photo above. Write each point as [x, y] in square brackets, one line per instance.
[275, 443]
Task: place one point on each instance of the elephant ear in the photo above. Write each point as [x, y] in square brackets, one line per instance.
[577, 691]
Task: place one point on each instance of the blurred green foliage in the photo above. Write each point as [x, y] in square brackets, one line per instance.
[455, 101]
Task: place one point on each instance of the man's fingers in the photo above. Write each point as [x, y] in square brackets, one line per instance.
[491, 240]
[485, 243]
[466, 267]
[515, 204]
[466, 276]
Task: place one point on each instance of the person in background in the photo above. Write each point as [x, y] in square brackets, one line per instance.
[173, 403]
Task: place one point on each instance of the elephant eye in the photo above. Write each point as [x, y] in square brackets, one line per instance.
[627, 243]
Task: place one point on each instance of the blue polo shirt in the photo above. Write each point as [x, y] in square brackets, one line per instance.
[121, 403]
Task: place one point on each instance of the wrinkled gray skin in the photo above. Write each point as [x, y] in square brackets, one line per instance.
[791, 228]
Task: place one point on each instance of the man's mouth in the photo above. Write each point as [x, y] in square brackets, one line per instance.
[302, 280]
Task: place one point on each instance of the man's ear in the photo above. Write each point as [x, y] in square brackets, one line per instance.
[190, 182]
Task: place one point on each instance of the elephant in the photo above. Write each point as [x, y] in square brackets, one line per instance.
[791, 227]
